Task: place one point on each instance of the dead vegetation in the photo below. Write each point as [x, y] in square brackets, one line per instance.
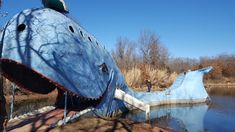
[148, 59]
[145, 59]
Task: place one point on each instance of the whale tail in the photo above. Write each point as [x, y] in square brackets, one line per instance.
[187, 88]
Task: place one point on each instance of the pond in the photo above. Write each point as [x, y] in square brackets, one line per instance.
[217, 116]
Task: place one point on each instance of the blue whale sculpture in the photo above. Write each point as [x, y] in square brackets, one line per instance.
[43, 50]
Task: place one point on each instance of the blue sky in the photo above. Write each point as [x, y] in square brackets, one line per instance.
[187, 28]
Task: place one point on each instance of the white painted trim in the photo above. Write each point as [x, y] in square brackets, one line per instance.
[132, 101]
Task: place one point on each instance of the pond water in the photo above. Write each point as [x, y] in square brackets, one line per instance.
[218, 116]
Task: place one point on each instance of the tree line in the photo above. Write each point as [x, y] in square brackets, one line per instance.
[147, 54]
[223, 66]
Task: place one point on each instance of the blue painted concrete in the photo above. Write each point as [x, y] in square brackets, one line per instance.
[57, 47]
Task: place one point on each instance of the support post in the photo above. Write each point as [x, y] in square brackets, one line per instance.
[65, 106]
[12, 100]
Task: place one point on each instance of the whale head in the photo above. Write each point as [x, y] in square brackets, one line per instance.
[43, 49]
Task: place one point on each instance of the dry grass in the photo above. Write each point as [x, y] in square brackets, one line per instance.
[133, 77]
[157, 76]
[136, 77]
[172, 77]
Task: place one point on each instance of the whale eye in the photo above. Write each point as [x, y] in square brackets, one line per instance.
[21, 27]
[71, 29]
[103, 67]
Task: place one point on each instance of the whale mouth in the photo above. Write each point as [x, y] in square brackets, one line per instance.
[36, 82]
[26, 78]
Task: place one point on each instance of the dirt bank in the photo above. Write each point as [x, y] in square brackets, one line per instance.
[100, 125]
[42, 122]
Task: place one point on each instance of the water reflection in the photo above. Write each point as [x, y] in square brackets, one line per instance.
[221, 116]
[218, 116]
[179, 118]
[222, 91]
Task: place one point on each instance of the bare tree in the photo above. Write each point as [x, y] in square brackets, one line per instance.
[223, 66]
[164, 56]
[153, 53]
[180, 65]
[125, 54]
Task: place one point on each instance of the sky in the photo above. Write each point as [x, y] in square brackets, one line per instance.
[187, 28]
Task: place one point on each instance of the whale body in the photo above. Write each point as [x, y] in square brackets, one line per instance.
[43, 50]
